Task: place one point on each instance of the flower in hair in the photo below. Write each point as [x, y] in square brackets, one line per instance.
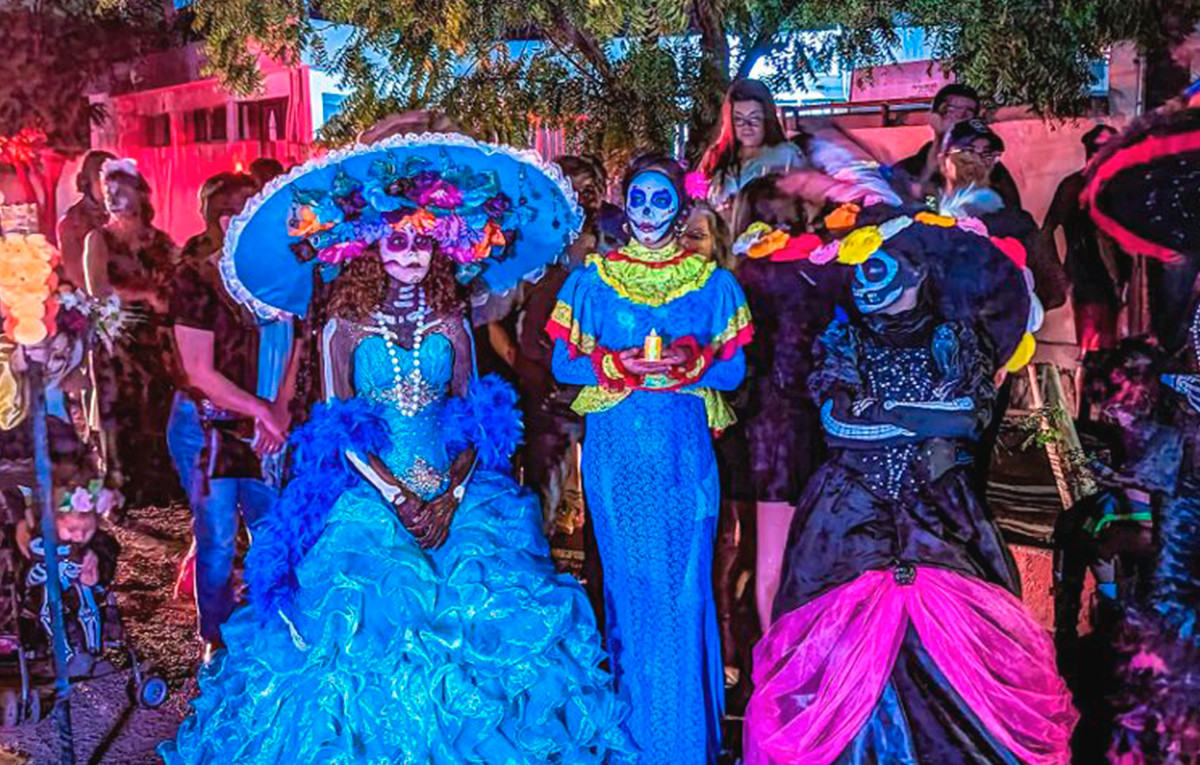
[859, 245]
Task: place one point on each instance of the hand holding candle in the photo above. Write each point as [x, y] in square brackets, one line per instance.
[652, 348]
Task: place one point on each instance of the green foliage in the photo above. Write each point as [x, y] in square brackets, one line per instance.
[53, 51]
[636, 69]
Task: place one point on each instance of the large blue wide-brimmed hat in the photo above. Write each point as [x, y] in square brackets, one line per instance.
[502, 214]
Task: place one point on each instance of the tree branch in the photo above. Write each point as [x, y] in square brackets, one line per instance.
[565, 33]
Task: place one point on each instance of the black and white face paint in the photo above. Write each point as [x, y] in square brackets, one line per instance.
[651, 205]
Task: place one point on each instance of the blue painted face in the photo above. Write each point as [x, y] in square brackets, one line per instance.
[877, 283]
[651, 206]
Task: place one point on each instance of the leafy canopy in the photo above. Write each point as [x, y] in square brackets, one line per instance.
[640, 68]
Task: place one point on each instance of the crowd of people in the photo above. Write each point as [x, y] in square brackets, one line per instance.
[777, 379]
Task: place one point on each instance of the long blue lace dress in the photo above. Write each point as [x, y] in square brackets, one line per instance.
[474, 652]
[650, 479]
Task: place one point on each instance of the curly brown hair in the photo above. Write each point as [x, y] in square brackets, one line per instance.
[362, 285]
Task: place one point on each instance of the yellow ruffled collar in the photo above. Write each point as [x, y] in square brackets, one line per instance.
[653, 277]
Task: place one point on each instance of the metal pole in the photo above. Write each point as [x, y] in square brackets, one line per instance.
[43, 491]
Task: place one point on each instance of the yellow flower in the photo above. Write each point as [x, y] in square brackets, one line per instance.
[860, 245]
[1023, 354]
[931, 219]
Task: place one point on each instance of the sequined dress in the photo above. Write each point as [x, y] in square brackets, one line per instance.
[650, 478]
[473, 652]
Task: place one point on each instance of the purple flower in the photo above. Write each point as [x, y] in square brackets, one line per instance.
[498, 206]
[431, 190]
[73, 322]
[81, 500]
[351, 205]
[343, 252]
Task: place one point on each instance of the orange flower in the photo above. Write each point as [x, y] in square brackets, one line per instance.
[768, 244]
[421, 220]
[843, 218]
[307, 223]
[492, 237]
[931, 219]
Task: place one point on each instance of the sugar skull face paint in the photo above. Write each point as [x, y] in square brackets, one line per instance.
[652, 205]
[877, 283]
[406, 254]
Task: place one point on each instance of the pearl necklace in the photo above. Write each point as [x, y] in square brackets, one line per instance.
[411, 392]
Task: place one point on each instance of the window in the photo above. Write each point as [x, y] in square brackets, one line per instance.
[208, 125]
[158, 129]
[262, 120]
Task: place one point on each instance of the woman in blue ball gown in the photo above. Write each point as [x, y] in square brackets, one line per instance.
[404, 607]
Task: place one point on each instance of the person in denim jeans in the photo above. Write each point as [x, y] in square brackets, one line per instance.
[240, 374]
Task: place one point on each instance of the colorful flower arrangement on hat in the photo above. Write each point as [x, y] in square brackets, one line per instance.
[93, 498]
[464, 212]
[861, 243]
[760, 240]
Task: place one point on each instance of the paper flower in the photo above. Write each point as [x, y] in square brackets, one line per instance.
[1012, 248]
[750, 237]
[860, 245]
[492, 237]
[826, 253]
[843, 218]
[894, 226]
[343, 252]
[421, 220]
[304, 222]
[429, 189]
[973, 225]
[498, 206]
[933, 219]
[1023, 354]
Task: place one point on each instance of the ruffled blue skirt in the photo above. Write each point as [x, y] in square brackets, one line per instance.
[477, 652]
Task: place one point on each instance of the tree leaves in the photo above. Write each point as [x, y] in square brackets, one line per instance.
[54, 51]
[621, 75]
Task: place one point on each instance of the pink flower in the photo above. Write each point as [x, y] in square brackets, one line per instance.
[826, 253]
[431, 190]
[696, 185]
[973, 225]
[1148, 661]
[81, 500]
[342, 252]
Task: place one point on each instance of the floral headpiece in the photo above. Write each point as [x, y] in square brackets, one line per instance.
[760, 240]
[463, 210]
[861, 243]
[93, 498]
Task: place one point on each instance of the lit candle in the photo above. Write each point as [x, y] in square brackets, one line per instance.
[652, 350]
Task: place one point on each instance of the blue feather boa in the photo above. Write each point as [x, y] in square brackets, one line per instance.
[487, 419]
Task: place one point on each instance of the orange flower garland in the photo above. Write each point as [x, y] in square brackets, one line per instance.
[27, 281]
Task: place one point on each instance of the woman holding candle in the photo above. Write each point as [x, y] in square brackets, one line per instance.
[650, 475]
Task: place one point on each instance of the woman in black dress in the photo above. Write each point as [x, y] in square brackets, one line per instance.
[128, 256]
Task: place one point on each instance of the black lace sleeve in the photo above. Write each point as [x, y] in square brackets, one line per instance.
[835, 364]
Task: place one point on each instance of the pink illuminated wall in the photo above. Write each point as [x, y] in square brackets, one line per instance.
[176, 171]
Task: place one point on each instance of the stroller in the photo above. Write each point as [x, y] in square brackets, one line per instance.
[96, 638]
